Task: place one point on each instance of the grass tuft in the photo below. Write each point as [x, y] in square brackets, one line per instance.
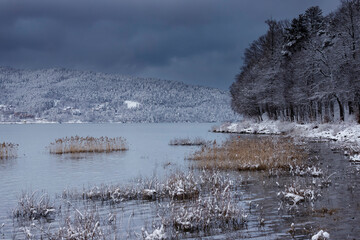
[87, 144]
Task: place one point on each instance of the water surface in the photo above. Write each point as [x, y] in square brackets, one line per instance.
[150, 155]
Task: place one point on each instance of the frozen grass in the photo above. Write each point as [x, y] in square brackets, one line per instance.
[76, 225]
[304, 171]
[8, 150]
[84, 225]
[295, 194]
[178, 186]
[157, 234]
[210, 204]
[187, 142]
[182, 186]
[87, 144]
[217, 210]
[199, 202]
[111, 193]
[34, 205]
[241, 154]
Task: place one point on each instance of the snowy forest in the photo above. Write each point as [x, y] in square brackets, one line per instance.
[304, 70]
[63, 95]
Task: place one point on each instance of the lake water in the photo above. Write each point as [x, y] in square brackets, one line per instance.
[36, 169]
[150, 155]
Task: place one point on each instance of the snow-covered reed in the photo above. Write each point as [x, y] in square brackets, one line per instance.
[321, 235]
[294, 195]
[34, 205]
[78, 144]
[196, 201]
[263, 153]
[82, 225]
[176, 186]
[111, 193]
[8, 150]
[216, 210]
[187, 142]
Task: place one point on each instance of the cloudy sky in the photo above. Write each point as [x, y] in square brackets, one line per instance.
[195, 41]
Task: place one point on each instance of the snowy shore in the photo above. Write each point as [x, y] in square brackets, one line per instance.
[346, 134]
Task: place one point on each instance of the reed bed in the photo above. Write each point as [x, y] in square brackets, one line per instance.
[188, 142]
[88, 145]
[177, 186]
[187, 204]
[8, 150]
[241, 154]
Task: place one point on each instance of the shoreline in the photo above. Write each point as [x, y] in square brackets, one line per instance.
[345, 136]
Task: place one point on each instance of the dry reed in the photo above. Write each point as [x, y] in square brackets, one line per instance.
[251, 154]
[87, 144]
[8, 150]
[187, 142]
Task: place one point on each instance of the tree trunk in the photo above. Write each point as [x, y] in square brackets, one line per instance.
[326, 112]
[350, 105]
[332, 112]
[292, 114]
[341, 108]
[319, 110]
[358, 113]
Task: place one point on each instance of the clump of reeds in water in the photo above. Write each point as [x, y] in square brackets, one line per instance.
[263, 153]
[8, 150]
[34, 205]
[82, 225]
[88, 144]
[179, 186]
[187, 142]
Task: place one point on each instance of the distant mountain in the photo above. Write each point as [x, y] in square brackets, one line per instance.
[63, 95]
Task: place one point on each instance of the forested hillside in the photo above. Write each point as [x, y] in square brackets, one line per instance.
[63, 95]
[307, 69]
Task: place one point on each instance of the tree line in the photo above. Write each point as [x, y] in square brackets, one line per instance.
[306, 69]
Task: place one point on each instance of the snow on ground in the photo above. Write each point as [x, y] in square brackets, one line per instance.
[344, 132]
[132, 104]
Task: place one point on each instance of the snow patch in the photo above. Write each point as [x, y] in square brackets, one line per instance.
[355, 158]
[157, 234]
[131, 104]
[321, 235]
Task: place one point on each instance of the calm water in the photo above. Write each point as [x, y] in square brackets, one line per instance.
[149, 154]
[36, 169]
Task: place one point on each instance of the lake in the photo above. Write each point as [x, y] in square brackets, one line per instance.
[150, 155]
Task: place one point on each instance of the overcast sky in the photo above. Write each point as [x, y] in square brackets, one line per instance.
[195, 41]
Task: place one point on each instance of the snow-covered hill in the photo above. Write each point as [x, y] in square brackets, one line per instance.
[63, 95]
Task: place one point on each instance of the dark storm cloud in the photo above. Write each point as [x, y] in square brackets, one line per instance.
[199, 42]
